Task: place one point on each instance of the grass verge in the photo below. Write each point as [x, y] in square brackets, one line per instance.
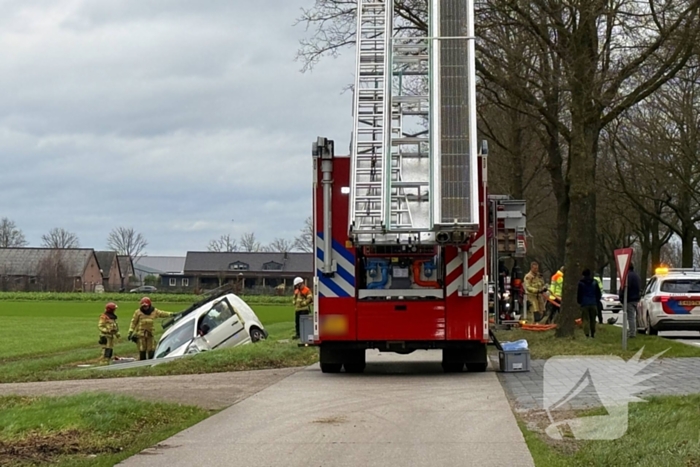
[85, 430]
[607, 341]
[45, 341]
[662, 432]
[278, 351]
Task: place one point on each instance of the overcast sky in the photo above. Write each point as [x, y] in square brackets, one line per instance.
[183, 119]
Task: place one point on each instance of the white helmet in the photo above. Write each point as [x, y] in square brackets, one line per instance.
[297, 281]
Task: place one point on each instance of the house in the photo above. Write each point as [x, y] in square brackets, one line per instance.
[252, 272]
[158, 265]
[49, 269]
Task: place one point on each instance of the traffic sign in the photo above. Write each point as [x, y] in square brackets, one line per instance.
[623, 258]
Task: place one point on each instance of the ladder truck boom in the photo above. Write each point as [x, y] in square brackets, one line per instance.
[402, 249]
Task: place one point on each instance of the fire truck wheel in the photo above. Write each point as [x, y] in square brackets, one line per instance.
[331, 367]
[477, 367]
[452, 366]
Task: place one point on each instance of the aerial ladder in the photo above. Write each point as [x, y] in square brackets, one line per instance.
[401, 246]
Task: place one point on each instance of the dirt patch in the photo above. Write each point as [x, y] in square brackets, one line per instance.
[537, 422]
[41, 448]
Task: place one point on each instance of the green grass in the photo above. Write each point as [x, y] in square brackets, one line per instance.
[46, 341]
[85, 430]
[608, 341]
[662, 432]
[128, 297]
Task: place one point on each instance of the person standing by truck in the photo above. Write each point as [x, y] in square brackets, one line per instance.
[109, 332]
[142, 329]
[534, 287]
[303, 298]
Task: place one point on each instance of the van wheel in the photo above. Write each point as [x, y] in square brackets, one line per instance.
[256, 335]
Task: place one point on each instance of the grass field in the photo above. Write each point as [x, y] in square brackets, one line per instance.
[607, 341]
[47, 340]
[85, 430]
[662, 432]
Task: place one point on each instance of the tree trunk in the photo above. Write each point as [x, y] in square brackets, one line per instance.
[516, 155]
[644, 266]
[581, 233]
[688, 240]
[554, 167]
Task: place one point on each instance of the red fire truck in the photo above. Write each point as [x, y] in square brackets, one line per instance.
[402, 249]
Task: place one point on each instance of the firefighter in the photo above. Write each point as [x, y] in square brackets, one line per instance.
[302, 302]
[109, 331]
[534, 288]
[142, 330]
[557, 285]
[599, 281]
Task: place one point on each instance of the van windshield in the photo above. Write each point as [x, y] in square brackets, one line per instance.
[176, 340]
[681, 286]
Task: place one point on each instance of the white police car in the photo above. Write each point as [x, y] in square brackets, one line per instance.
[670, 302]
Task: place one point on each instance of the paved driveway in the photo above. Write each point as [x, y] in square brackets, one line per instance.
[402, 411]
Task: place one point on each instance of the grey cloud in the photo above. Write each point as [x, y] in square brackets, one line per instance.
[173, 117]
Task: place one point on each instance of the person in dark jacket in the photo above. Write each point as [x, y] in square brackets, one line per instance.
[588, 297]
[634, 294]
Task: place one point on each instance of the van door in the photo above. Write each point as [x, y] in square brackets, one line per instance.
[220, 325]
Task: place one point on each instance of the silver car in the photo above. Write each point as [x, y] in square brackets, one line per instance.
[226, 321]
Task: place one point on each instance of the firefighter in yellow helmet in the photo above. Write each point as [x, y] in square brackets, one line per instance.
[109, 331]
[142, 327]
[534, 287]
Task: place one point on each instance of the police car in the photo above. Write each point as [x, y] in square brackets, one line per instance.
[670, 302]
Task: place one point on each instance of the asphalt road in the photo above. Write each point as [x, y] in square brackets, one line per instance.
[403, 411]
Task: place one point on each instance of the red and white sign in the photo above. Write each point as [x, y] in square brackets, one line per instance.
[623, 258]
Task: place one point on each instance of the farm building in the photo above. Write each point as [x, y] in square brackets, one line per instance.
[48, 269]
[117, 270]
[249, 272]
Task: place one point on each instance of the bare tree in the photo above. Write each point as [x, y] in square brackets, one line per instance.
[126, 241]
[60, 238]
[305, 240]
[281, 245]
[249, 242]
[54, 274]
[10, 235]
[225, 243]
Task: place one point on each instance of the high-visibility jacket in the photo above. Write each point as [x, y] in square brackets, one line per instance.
[142, 323]
[303, 298]
[600, 283]
[557, 284]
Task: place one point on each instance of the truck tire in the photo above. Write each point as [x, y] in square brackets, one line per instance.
[477, 367]
[453, 360]
[331, 367]
[354, 361]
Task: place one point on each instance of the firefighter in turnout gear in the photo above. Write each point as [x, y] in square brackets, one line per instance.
[534, 288]
[303, 298]
[142, 329]
[109, 331]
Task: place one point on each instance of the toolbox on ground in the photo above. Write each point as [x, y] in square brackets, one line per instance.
[514, 360]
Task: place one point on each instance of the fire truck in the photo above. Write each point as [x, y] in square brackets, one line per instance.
[405, 233]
